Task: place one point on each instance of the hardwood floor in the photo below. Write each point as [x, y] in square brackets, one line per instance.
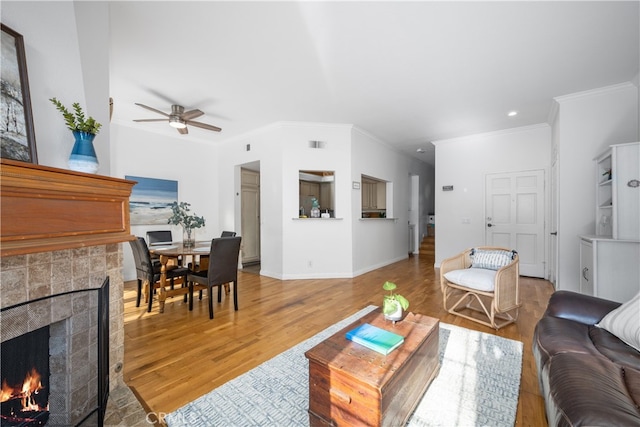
[175, 357]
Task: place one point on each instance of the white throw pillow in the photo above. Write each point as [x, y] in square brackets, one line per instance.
[474, 278]
[624, 322]
[492, 259]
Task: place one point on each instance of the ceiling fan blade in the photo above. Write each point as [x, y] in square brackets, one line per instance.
[188, 115]
[150, 120]
[183, 131]
[204, 126]
[152, 109]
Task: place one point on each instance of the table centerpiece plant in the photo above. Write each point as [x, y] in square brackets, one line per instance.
[393, 304]
[189, 222]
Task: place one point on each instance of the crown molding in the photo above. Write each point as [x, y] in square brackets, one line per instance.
[594, 92]
[486, 135]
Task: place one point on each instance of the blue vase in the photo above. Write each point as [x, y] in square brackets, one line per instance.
[83, 156]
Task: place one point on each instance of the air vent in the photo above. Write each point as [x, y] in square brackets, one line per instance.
[317, 144]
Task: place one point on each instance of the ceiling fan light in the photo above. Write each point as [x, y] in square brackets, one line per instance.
[177, 123]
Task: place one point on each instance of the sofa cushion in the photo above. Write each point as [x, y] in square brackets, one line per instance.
[587, 390]
[491, 259]
[624, 322]
[474, 278]
[555, 335]
[632, 380]
[614, 349]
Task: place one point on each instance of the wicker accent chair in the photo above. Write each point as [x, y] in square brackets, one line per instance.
[485, 280]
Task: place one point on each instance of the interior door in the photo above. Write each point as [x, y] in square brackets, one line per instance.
[515, 217]
[250, 217]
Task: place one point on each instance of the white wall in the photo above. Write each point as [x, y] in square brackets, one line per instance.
[587, 123]
[464, 163]
[137, 152]
[61, 66]
[378, 242]
[342, 247]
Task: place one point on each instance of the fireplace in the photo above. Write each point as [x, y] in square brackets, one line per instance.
[61, 235]
[55, 358]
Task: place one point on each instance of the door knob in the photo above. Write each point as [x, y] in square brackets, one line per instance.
[489, 225]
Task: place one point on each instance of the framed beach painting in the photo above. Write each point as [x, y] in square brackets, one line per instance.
[17, 138]
[151, 199]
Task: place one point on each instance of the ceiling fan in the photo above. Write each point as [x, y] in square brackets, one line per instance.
[179, 119]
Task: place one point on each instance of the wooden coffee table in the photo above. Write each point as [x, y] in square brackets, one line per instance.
[352, 385]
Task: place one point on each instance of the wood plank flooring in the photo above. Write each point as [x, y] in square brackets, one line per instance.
[175, 357]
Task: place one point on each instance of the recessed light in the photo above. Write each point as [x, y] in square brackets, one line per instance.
[420, 150]
[512, 113]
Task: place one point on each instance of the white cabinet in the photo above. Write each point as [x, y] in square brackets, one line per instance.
[586, 266]
[618, 193]
[609, 268]
[610, 259]
[369, 195]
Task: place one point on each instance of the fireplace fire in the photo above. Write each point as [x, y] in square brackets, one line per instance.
[24, 396]
[24, 404]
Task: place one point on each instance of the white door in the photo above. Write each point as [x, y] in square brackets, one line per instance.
[250, 205]
[515, 217]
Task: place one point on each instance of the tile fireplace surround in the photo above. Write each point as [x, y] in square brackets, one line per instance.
[62, 231]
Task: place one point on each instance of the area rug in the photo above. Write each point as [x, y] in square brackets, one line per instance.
[478, 385]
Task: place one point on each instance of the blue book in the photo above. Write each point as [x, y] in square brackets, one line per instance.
[375, 338]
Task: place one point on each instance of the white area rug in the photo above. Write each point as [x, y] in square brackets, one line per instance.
[478, 385]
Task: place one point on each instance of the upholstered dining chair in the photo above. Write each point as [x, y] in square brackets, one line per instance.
[222, 269]
[203, 263]
[148, 273]
[484, 280]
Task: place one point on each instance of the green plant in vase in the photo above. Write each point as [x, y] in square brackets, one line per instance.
[83, 155]
[393, 304]
[76, 121]
[181, 216]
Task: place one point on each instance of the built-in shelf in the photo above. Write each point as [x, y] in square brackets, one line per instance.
[49, 209]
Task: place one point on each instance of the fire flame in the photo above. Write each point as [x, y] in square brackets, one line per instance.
[26, 392]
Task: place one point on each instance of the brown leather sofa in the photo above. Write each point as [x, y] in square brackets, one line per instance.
[588, 376]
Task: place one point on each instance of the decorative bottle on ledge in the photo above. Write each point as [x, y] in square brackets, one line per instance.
[315, 208]
[83, 155]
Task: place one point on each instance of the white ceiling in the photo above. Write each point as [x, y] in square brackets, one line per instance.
[408, 73]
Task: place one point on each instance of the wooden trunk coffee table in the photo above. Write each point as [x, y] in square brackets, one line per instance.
[352, 385]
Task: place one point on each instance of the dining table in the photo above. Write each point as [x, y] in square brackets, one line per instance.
[176, 250]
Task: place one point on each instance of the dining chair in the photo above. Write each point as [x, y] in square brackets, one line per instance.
[204, 259]
[222, 269]
[149, 274]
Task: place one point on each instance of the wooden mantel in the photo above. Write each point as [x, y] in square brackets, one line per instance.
[47, 209]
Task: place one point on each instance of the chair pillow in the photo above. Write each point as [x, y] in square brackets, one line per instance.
[480, 279]
[624, 322]
[492, 259]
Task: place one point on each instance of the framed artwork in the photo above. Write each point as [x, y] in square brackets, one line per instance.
[17, 138]
[150, 201]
